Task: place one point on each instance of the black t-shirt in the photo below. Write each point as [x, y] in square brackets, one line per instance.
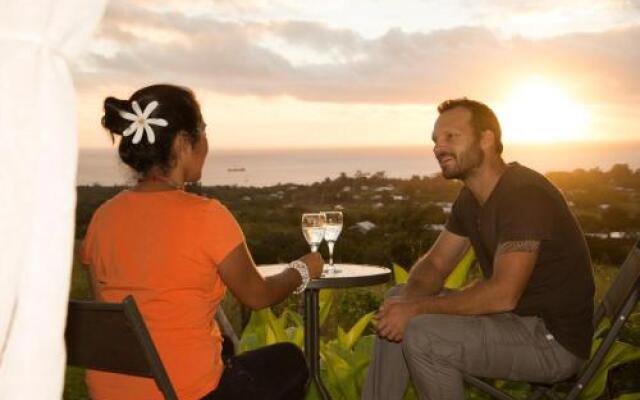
[524, 205]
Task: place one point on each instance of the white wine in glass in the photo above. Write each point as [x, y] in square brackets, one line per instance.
[332, 230]
[313, 229]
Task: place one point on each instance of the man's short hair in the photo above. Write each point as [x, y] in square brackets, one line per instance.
[482, 117]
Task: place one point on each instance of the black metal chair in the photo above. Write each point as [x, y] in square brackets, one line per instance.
[616, 306]
[112, 337]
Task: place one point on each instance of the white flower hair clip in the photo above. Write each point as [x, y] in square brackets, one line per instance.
[141, 122]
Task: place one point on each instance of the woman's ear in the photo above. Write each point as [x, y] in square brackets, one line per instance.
[181, 144]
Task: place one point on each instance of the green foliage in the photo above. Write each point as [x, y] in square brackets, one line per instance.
[620, 353]
[264, 328]
[351, 305]
[629, 396]
[400, 274]
[459, 275]
[346, 359]
[343, 359]
[75, 387]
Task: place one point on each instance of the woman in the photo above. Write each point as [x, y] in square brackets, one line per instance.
[176, 253]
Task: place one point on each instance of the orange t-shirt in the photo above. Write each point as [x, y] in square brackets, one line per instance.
[163, 248]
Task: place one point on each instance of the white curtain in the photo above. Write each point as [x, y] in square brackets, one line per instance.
[37, 187]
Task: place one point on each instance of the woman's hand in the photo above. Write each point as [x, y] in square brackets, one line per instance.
[314, 263]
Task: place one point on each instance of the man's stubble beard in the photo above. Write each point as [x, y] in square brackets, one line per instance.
[466, 162]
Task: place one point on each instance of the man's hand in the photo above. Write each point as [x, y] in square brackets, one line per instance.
[394, 316]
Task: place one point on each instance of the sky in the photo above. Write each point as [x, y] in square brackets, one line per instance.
[363, 73]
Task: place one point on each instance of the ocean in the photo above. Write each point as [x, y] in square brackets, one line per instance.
[305, 166]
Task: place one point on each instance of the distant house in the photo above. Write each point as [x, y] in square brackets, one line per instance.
[363, 226]
[346, 189]
[378, 206]
[338, 207]
[398, 197]
[604, 206]
[376, 197]
[446, 206]
[277, 195]
[434, 227]
[246, 198]
[617, 235]
[597, 235]
[384, 189]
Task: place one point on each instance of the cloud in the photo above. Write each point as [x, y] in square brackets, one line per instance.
[241, 57]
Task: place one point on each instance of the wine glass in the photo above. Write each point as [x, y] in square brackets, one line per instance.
[313, 229]
[332, 229]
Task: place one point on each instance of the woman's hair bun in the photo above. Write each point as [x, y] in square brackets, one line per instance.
[111, 119]
[176, 105]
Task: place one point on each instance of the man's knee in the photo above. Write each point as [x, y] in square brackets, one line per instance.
[430, 336]
[417, 334]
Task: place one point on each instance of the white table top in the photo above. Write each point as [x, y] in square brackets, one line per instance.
[350, 275]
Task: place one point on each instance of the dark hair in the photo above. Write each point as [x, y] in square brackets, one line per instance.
[482, 117]
[177, 105]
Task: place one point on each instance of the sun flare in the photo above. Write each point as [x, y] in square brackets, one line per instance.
[540, 111]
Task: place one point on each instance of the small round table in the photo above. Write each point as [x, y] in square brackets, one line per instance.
[351, 275]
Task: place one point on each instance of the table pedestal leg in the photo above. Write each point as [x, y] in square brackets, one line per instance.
[312, 339]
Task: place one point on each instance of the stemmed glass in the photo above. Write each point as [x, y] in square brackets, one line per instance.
[332, 229]
[313, 229]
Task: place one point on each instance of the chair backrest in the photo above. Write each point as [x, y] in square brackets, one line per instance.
[627, 280]
[227, 329]
[112, 337]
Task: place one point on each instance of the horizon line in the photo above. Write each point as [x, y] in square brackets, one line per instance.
[383, 147]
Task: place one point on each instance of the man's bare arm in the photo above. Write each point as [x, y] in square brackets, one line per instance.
[514, 262]
[513, 265]
[429, 273]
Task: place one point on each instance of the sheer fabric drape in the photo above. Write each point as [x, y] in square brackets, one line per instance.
[37, 187]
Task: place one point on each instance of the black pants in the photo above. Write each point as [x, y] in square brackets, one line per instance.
[276, 372]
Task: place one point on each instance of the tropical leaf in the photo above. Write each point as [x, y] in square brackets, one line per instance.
[295, 332]
[251, 341]
[326, 301]
[340, 372]
[341, 336]
[400, 274]
[312, 392]
[459, 275]
[604, 326]
[362, 351]
[364, 347]
[354, 334]
[629, 396]
[264, 328]
[619, 353]
[254, 334]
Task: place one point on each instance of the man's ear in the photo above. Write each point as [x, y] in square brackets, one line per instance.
[488, 140]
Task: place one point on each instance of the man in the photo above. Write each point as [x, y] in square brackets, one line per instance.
[529, 318]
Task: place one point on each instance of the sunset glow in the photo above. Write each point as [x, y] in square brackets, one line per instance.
[540, 111]
[363, 73]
